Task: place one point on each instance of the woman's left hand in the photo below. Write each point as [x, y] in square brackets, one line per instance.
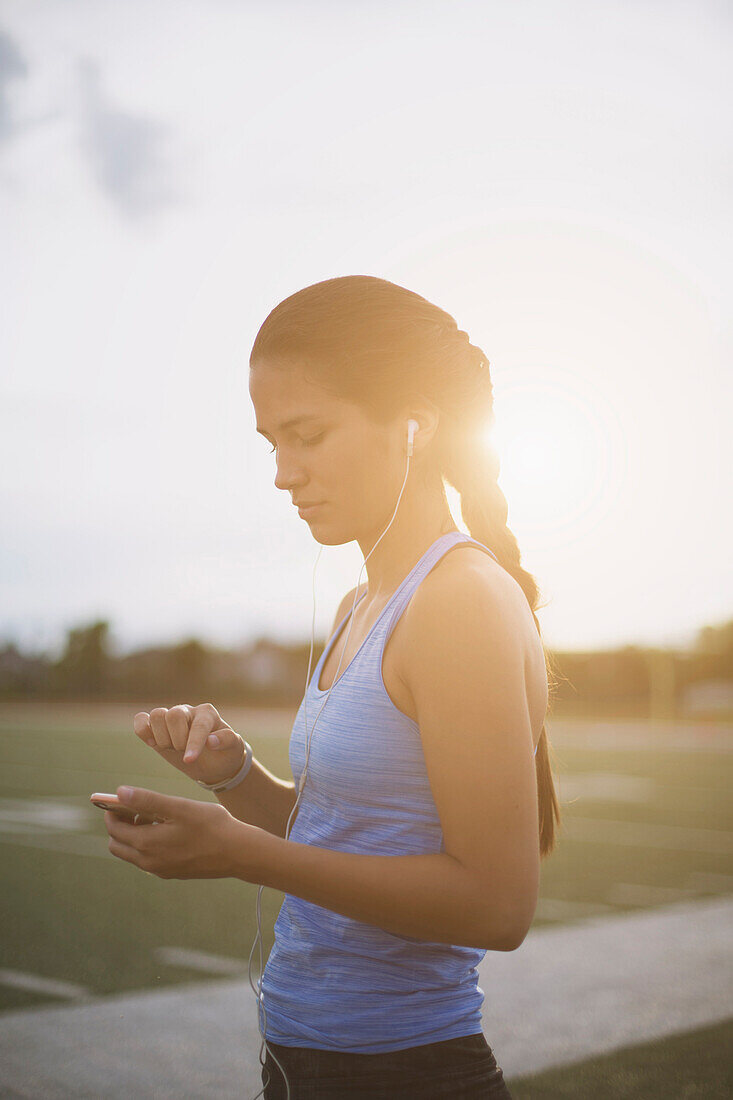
[189, 839]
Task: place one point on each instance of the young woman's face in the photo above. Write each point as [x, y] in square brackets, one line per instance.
[333, 456]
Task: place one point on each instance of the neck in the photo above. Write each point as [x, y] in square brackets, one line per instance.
[422, 517]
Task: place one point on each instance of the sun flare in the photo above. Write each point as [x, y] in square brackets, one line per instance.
[560, 444]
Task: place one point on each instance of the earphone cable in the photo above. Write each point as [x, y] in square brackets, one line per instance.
[258, 988]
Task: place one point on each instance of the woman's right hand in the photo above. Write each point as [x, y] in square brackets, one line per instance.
[196, 740]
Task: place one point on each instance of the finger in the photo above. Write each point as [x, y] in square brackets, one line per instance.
[141, 726]
[223, 738]
[206, 718]
[125, 831]
[178, 719]
[159, 727]
[167, 807]
[124, 851]
[118, 814]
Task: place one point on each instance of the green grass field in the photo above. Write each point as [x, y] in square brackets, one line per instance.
[692, 1066]
[646, 822]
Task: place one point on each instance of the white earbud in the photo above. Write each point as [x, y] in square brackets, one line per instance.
[412, 427]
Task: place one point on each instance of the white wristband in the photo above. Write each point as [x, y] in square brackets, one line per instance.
[235, 779]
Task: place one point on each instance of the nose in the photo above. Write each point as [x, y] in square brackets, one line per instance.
[288, 476]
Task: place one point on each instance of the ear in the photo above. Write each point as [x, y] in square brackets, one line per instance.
[427, 415]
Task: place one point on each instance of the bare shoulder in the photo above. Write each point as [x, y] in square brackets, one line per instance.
[469, 585]
[471, 607]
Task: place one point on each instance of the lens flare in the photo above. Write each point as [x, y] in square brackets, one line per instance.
[563, 452]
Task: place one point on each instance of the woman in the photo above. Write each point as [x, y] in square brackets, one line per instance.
[452, 726]
[428, 798]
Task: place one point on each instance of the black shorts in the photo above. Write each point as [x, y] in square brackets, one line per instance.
[462, 1069]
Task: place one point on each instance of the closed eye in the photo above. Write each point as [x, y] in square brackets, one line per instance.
[306, 442]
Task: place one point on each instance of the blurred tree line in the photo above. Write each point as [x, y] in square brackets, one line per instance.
[633, 681]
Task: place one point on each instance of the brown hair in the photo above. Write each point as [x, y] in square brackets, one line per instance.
[379, 345]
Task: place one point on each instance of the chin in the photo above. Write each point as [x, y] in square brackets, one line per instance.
[331, 540]
[325, 537]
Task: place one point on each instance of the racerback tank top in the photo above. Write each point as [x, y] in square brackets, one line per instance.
[331, 982]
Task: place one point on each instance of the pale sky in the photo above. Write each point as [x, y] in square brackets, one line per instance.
[556, 175]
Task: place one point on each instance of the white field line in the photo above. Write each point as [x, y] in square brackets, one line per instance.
[645, 895]
[20, 979]
[646, 834]
[564, 909]
[605, 787]
[54, 825]
[43, 813]
[200, 960]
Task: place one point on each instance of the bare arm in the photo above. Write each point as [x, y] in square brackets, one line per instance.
[430, 897]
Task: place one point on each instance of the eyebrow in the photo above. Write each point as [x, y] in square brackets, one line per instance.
[295, 420]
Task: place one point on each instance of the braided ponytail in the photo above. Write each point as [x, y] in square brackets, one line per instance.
[471, 465]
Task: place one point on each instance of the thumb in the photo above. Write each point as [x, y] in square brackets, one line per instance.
[224, 738]
[153, 803]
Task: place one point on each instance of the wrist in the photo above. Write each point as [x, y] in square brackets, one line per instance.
[256, 856]
[236, 777]
[232, 772]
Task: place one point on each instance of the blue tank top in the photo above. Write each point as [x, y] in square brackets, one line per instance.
[331, 982]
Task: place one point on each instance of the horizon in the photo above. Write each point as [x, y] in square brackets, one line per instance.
[161, 195]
